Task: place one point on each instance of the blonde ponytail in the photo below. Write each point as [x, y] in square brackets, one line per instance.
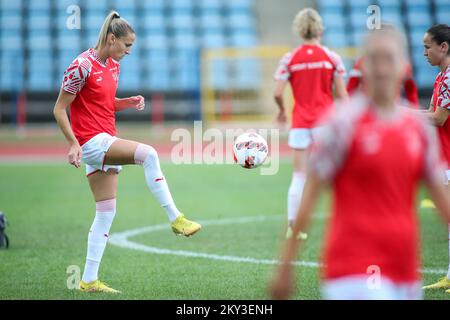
[113, 24]
[308, 24]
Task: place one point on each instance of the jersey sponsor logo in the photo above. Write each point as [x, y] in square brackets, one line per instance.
[311, 66]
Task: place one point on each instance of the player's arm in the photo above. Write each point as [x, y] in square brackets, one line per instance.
[283, 282]
[280, 85]
[353, 84]
[136, 102]
[340, 90]
[60, 112]
[438, 117]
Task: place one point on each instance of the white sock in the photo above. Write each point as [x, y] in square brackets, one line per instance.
[98, 237]
[148, 158]
[448, 272]
[295, 194]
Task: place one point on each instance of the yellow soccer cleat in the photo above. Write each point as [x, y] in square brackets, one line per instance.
[300, 236]
[185, 227]
[96, 286]
[427, 204]
[443, 283]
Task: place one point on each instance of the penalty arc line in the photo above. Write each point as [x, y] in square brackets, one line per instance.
[121, 239]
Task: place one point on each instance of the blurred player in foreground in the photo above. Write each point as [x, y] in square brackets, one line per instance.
[372, 153]
[437, 51]
[89, 88]
[312, 70]
[355, 83]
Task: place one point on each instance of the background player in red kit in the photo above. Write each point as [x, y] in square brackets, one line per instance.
[437, 51]
[312, 70]
[89, 88]
[373, 153]
[409, 86]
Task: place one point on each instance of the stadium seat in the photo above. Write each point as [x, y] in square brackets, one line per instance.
[120, 5]
[11, 40]
[392, 17]
[240, 39]
[130, 68]
[358, 20]
[240, 20]
[9, 5]
[155, 41]
[93, 20]
[420, 19]
[184, 21]
[98, 5]
[62, 5]
[390, 5]
[334, 21]
[11, 65]
[40, 64]
[213, 40]
[417, 5]
[155, 23]
[182, 5]
[39, 5]
[335, 39]
[187, 69]
[210, 4]
[220, 74]
[248, 73]
[186, 40]
[10, 20]
[153, 5]
[39, 20]
[211, 20]
[236, 6]
[332, 7]
[425, 76]
[443, 14]
[38, 40]
[440, 4]
[359, 5]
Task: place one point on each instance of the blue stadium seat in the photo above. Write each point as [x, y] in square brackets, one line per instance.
[332, 7]
[158, 78]
[335, 39]
[10, 20]
[183, 21]
[425, 76]
[213, 40]
[240, 39]
[358, 20]
[186, 40]
[39, 20]
[11, 5]
[187, 69]
[11, 40]
[210, 4]
[38, 40]
[182, 5]
[390, 5]
[440, 4]
[416, 39]
[154, 23]
[417, 5]
[39, 5]
[93, 20]
[153, 5]
[130, 16]
[334, 21]
[392, 17]
[155, 41]
[40, 66]
[12, 65]
[359, 5]
[443, 14]
[239, 5]
[130, 68]
[240, 20]
[211, 20]
[62, 5]
[419, 19]
[98, 5]
[69, 39]
[357, 37]
[156, 56]
[120, 5]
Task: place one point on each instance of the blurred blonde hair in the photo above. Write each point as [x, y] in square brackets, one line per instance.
[308, 24]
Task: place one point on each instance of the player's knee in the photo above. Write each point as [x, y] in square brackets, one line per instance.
[145, 152]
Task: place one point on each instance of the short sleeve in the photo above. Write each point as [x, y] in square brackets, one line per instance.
[282, 73]
[76, 75]
[443, 99]
[330, 147]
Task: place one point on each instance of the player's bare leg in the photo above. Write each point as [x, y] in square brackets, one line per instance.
[132, 152]
[104, 189]
[296, 187]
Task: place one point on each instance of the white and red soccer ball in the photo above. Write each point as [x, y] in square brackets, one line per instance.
[250, 150]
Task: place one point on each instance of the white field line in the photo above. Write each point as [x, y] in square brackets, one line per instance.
[121, 239]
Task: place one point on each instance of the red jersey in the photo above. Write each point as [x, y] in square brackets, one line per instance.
[409, 86]
[441, 99]
[374, 164]
[94, 84]
[310, 69]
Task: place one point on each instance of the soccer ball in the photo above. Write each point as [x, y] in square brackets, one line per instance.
[250, 150]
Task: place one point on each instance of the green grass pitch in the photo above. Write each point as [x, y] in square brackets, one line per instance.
[50, 210]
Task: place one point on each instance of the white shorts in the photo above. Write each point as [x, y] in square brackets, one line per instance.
[301, 138]
[94, 153]
[359, 287]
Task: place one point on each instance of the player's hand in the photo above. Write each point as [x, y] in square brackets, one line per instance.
[281, 118]
[282, 285]
[74, 156]
[136, 102]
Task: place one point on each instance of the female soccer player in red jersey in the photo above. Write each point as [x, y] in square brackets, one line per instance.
[312, 70]
[89, 88]
[437, 51]
[372, 153]
[354, 82]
